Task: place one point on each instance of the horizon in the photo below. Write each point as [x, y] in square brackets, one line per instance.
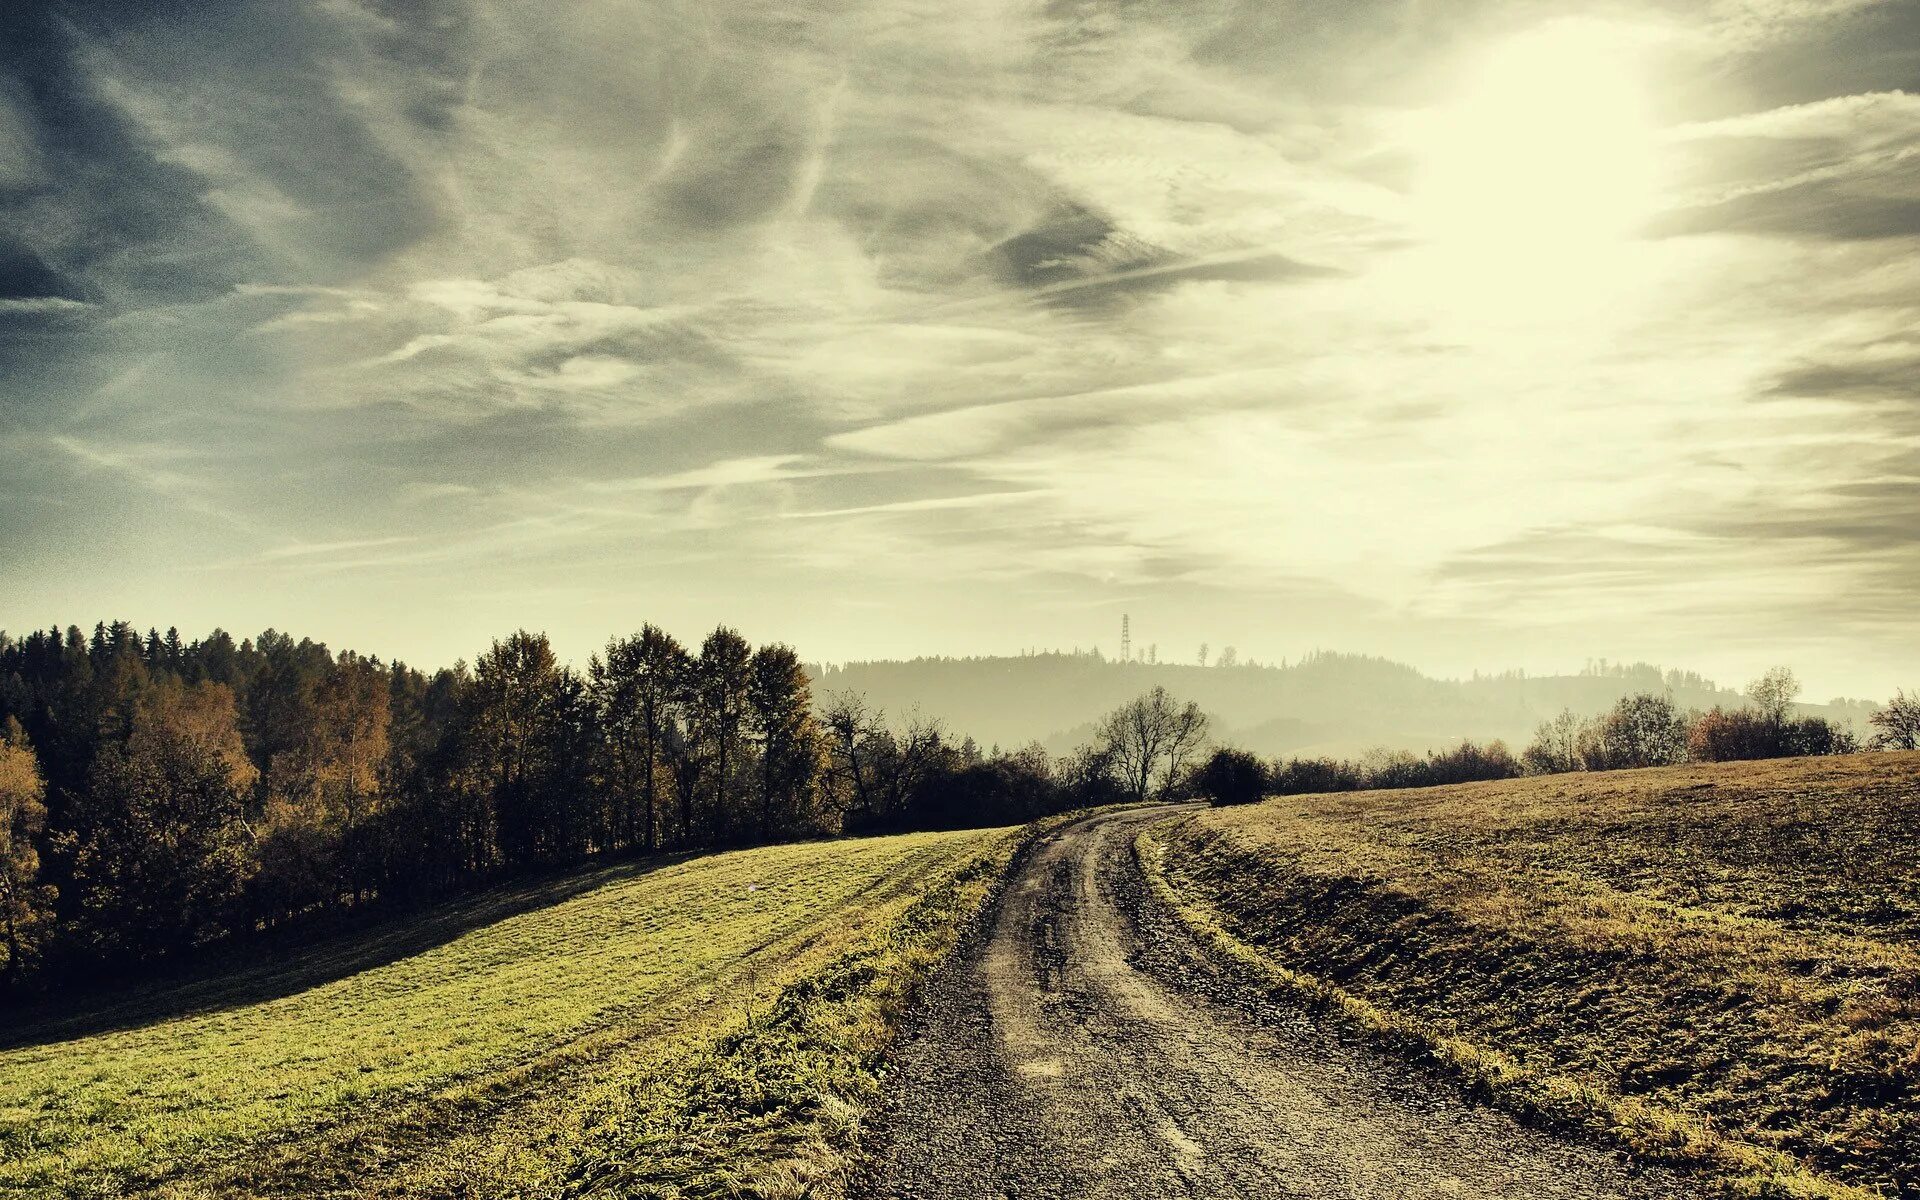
[1597, 666]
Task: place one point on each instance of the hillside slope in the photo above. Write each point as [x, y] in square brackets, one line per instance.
[674, 1024]
[1716, 965]
[1323, 704]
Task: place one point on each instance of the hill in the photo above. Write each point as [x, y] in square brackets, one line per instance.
[1325, 703]
[671, 1024]
[1716, 965]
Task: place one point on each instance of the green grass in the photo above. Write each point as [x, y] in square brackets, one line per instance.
[1714, 966]
[516, 1046]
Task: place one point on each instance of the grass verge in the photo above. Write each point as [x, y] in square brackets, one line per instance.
[700, 1028]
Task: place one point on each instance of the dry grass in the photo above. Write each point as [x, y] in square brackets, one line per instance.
[1715, 965]
[709, 1027]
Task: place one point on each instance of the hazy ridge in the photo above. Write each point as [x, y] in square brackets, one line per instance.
[1324, 703]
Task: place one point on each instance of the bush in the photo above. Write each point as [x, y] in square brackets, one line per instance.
[1303, 776]
[1468, 763]
[1642, 730]
[1231, 777]
[1383, 768]
[1721, 735]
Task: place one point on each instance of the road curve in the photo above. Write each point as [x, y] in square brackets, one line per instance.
[1086, 1048]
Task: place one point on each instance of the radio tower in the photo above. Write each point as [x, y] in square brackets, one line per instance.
[1126, 640]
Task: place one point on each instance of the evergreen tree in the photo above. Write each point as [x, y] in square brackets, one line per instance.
[636, 689]
[721, 679]
[780, 718]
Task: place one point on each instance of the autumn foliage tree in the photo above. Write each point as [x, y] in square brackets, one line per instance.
[158, 846]
[25, 900]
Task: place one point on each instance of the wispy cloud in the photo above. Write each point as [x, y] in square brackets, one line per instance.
[771, 308]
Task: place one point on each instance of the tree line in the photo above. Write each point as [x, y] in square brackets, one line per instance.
[158, 795]
[1645, 729]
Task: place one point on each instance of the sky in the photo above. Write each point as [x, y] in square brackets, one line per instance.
[1482, 334]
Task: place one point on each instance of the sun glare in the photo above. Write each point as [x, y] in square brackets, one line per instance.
[1532, 181]
[1547, 148]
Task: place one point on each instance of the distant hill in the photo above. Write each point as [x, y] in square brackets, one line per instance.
[1326, 703]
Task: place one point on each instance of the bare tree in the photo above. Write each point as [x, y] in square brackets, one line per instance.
[916, 754]
[1898, 723]
[1186, 734]
[851, 733]
[1556, 746]
[1773, 694]
[1151, 740]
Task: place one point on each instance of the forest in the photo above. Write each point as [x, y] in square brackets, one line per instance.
[158, 796]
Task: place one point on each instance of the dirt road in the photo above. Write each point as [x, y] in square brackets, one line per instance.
[1085, 1048]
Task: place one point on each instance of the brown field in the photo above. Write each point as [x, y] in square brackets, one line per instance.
[1714, 965]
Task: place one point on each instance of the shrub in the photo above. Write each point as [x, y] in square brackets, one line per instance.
[1722, 735]
[1303, 776]
[1231, 777]
[1642, 730]
[1469, 762]
[1556, 746]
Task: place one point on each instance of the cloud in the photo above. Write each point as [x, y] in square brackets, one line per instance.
[1878, 376]
[1843, 169]
[771, 308]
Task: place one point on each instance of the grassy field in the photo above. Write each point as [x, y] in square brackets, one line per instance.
[699, 1027]
[1717, 966]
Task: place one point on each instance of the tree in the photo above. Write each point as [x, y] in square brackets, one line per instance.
[999, 789]
[525, 740]
[328, 735]
[25, 901]
[1556, 746]
[780, 718]
[1087, 779]
[636, 689]
[1186, 734]
[1302, 776]
[1642, 730]
[1773, 694]
[1146, 733]
[720, 682]
[882, 776]
[906, 762]
[1898, 722]
[160, 850]
[851, 731]
[352, 717]
[1231, 776]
